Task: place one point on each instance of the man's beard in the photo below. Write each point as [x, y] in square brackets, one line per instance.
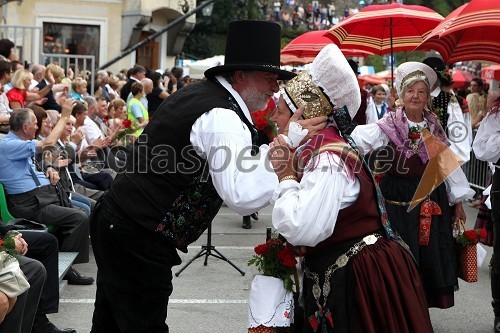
[253, 98]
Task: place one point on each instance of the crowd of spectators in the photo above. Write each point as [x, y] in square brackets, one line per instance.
[310, 15]
[62, 144]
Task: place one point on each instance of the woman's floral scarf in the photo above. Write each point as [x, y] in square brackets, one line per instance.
[395, 126]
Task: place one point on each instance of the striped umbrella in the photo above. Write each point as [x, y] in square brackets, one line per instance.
[304, 48]
[470, 32]
[384, 29]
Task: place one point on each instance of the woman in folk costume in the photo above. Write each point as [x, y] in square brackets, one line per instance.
[358, 274]
[414, 162]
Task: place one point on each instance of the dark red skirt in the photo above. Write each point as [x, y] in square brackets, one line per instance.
[379, 290]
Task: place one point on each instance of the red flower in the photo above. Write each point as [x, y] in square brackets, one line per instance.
[275, 258]
[471, 235]
[414, 136]
[261, 119]
[261, 249]
[483, 233]
[127, 123]
[105, 120]
[289, 261]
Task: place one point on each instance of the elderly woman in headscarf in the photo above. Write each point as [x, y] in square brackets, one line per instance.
[421, 180]
[359, 276]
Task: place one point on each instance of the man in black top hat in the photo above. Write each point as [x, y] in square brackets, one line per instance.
[195, 154]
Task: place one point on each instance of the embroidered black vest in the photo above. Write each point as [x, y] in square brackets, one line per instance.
[441, 102]
[167, 187]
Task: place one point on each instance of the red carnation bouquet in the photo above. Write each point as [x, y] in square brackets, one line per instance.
[262, 119]
[471, 237]
[127, 127]
[275, 258]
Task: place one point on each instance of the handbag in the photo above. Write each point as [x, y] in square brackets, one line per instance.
[467, 257]
[12, 280]
[467, 263]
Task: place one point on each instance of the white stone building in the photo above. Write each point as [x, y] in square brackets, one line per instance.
[103, 29]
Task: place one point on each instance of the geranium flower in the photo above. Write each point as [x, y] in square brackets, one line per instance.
[471, 237]
[275, 258]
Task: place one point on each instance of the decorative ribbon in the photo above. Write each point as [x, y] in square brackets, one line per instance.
[427, 209]
[321, 317]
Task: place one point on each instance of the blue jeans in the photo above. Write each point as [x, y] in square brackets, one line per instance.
[80, 201]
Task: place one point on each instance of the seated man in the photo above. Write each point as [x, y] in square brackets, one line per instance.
[29, 313]
[35, 196]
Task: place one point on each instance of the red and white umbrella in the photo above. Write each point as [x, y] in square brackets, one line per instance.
[384, 29]
[470, 32]
[461, 79]
[304, 48]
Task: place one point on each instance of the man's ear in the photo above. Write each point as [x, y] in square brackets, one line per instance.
[240, 76]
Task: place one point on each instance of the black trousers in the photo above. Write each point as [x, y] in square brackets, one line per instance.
[43, 246]
[97, 181]
[134, 277]
[72, 224]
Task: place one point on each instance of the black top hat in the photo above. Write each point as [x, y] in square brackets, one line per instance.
[438, 65]
[252, 45]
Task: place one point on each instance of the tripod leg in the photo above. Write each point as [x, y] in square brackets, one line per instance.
[221, 256]
[199, 254]
[207, 253]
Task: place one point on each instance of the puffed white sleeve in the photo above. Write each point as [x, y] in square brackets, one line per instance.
[457, 187]
[245, 182]
[369, 137]
[486, 144]
[305, 213]
[458, 132]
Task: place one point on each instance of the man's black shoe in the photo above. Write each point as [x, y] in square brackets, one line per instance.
[42, 324]
[247, 223]
[74, 277]
[497, 325]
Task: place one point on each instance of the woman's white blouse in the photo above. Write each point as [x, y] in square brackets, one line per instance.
[370, 137]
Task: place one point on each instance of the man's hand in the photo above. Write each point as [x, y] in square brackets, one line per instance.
[52, 175]
[62, 162]
[50, 77]
[77, 136]
[21, 245]
[67, 107]
[313, 125]
[101, 143]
